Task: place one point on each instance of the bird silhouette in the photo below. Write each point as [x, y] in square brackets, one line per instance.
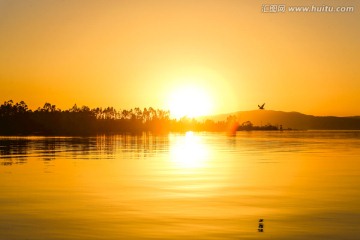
[261, 107]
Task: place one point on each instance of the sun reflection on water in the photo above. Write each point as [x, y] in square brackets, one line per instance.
[189, 152]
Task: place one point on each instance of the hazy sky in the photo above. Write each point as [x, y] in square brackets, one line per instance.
[136, 53]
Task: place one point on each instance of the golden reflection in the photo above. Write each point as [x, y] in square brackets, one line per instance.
[189, 152]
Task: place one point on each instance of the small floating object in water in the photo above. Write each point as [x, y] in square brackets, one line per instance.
[261, 225]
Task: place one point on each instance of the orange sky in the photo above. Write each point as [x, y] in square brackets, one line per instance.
[135, 53]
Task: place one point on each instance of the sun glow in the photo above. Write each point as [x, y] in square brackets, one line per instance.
[190, 102]
[189, 152]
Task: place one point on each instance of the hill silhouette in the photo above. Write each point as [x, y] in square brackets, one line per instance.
[293, 120]
[18, 119]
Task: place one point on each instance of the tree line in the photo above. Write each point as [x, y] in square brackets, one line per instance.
[18, 119]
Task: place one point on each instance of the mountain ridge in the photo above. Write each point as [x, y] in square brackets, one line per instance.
[293, 120]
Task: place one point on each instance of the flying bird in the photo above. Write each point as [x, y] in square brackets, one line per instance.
[261, 107]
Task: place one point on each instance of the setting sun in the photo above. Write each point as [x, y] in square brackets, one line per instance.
[189, 101]
[158, 119]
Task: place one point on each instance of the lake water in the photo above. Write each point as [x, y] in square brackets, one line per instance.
[304, 184]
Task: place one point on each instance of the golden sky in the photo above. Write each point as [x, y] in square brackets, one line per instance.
[137, 53]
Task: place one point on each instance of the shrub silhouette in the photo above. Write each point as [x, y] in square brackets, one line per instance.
[18, 119]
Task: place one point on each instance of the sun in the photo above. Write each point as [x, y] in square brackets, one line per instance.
[189, 101]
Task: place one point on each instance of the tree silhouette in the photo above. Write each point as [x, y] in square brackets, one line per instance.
[18, 119]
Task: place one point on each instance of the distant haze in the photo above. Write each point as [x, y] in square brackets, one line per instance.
[293, 120]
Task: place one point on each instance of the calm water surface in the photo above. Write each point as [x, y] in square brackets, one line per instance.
[305, 185]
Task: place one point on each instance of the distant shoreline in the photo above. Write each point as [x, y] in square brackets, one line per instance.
[16, 119]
